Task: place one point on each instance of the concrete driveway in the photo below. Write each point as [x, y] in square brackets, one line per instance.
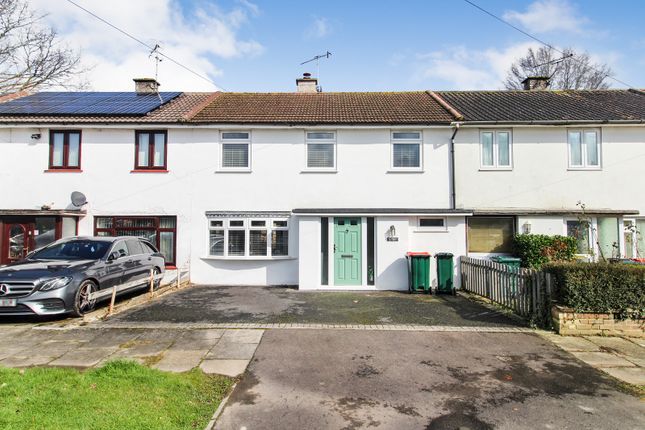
[397, 380]
[226, 305]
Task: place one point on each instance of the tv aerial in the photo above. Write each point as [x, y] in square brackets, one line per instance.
[155, 53]
[317, 60]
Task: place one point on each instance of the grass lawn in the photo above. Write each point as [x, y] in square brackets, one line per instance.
[121, 395]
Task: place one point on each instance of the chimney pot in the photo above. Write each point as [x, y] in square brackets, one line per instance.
[146, 85]
[535, 83]
[307, 84]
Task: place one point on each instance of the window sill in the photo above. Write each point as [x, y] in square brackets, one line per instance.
[394, 170]
[233, 171]
[319, 171]
[149, 171]
[589, 169]
[495, 169]
[63, 171]
[261, 258]
[429, 230]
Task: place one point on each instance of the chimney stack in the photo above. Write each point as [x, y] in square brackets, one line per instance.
[307, 84]
[146, 85]
[534, 83]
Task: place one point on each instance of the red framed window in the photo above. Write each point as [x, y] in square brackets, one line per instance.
[151, 150]
[65, 149]
[159, 230]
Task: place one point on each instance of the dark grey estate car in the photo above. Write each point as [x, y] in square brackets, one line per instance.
[60, 277]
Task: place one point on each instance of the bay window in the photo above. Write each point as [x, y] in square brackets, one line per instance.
[248, 237]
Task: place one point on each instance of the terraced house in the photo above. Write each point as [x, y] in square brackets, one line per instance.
[322, 190]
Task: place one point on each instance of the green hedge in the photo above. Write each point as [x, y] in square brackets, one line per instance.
[536, 250]
[601, 287]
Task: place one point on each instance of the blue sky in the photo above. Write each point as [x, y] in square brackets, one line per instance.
[245, 45]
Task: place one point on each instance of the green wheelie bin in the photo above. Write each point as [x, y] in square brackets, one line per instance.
[445, 273]
[418, 271]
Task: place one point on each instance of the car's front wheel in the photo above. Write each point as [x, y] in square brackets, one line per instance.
[83, 303]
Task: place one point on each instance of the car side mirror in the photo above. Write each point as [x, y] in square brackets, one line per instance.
[113, 256]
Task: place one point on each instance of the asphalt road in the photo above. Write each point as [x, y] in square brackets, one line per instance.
[350, 379]
[208, 304]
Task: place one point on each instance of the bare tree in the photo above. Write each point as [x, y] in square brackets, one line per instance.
[31, 55]
[575, 72]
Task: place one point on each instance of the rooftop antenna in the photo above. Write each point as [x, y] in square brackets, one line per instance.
[317, 60]
[155, 53]
[556, 61]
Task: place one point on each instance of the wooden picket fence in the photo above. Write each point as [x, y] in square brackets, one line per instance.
[528, 293]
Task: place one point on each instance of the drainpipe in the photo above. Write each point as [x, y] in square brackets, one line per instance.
[453, 191]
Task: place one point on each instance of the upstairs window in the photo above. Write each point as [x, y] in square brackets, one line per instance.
[584, 149]
[236, 150]
[150, 150]
[495, 149]
[65, 150]
[321, 150]
[406, 150]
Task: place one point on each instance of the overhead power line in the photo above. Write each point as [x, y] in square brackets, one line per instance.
[150, 47]
[548, 45]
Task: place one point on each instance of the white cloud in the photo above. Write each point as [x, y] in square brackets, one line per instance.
[319, 28]
[543, 16]
[194, 39]
[460, 68]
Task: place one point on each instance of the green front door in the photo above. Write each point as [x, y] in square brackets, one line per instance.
[347, 251]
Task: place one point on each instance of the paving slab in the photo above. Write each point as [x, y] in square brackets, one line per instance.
[27, 361]
[232, 350]
[197, 339]
[619, 345]
[180, 361]
[83, 357]
[630, 375]
[243, 335]
[113, 337]
[141, 348]
[602, 359]
[574, 343]
[230, 368]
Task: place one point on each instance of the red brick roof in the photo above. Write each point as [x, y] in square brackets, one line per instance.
[324, 108]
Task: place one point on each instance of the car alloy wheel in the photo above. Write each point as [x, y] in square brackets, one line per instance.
[155, 273]
[84, 303]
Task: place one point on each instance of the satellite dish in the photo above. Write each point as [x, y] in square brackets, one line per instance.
[78, 199]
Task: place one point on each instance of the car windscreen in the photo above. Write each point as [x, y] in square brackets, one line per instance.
[73, 250]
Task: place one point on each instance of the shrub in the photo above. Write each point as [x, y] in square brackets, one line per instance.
[535, 250]
[601, 287]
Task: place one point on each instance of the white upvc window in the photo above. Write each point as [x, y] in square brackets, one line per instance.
[320, 150]
[249, 238]
[406, 151]
[496, 148]
[432, 223]
[584, 148]
[235, 153]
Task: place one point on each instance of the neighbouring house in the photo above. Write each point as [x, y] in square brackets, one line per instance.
[321, 190]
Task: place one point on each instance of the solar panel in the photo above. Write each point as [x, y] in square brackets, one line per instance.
[87, 103]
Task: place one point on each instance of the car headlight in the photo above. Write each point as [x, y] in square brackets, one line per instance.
[53, 284]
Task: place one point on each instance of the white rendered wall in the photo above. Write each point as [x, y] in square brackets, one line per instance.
[194, 184]
[540, 177]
